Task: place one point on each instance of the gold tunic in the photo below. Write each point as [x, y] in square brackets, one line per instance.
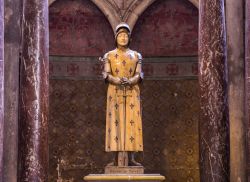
[123, 118]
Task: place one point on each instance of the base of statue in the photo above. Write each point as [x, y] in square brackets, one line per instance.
[124, 177]
[124, 170]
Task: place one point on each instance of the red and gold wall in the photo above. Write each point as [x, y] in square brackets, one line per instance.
[167, 36]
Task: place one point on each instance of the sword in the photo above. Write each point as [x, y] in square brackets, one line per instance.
[124, 120]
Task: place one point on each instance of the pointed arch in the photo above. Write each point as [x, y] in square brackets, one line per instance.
[167, 28]
[110, 11]
[107, 9]
[135, 10]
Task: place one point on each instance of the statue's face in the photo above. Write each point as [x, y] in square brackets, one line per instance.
[122, 39]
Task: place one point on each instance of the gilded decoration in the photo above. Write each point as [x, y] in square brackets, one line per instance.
[170, 126]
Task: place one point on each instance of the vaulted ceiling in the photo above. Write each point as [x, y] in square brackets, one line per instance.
[128, 11]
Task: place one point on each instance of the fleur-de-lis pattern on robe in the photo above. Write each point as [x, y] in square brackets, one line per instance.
[123, 118]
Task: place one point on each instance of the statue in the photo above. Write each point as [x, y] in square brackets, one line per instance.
[122, 71]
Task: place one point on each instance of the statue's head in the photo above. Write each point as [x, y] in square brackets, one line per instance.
[122, 36]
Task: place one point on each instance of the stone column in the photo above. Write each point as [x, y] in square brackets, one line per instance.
[11, 84]
[1, 85]
[247, 53]
[214, 124]
[236, 82]
[34, 85]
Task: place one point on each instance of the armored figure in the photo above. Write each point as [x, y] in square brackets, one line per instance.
[122, 71]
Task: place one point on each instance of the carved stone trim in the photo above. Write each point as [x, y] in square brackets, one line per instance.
[135, 10]
[138, 7]
[110, 10]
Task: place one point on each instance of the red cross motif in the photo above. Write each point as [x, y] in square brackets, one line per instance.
[124, 62]
[132, 122]
[172, 69]
[116, 106]
[131, 106]
[148, 69]
[97, 69]
[116, 122]
[72, 69]
[57, 67]
[195, 68]
[131, 139]
[117, 71]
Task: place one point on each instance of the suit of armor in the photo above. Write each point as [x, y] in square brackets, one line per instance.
[122, 71]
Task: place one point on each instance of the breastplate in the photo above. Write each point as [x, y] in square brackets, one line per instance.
[123, 63]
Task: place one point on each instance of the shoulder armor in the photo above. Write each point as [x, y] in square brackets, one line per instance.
[106, 57]
[139, 56]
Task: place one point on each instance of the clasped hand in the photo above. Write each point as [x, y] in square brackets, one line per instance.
[125, 81]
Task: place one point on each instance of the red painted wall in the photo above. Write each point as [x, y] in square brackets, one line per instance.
[77, 103]
[78, 28]
[167, 28]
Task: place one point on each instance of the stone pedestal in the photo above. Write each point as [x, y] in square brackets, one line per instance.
[124, 177]
[124, 170]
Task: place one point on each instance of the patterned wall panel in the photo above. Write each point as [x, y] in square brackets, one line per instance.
[78, 98]
[78, 27]
[153, 68]
[167, 28]
[77, 126]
